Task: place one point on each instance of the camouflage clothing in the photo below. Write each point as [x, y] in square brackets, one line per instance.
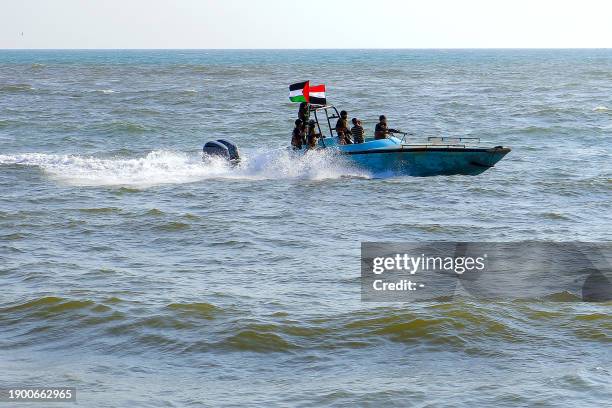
[297, 139]
[343, 131]
[304, 112]
[313, 136]
[380, 132]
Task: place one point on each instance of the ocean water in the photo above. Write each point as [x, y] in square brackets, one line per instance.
[142, 276]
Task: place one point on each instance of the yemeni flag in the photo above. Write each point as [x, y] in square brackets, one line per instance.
[299, 92]
[304, 92]
[316, 95]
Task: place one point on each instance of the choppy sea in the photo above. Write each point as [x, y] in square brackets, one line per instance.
[144, 277]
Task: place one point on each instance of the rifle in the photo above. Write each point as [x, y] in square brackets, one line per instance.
[404, 134]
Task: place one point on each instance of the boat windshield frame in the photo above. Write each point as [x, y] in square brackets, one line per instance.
[326, 109]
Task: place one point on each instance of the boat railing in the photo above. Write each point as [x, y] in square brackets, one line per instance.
[328, 118]
[448, 138]
[433, 145]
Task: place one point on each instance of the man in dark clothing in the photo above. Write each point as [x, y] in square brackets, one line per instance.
[380, 132]
[357, 131]
[344, 133]
[304, 112]
[297, 139]
[313, 136]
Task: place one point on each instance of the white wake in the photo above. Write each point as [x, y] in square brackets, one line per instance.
[169, 167]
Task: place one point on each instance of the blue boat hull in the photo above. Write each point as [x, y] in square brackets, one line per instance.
[430, 162]
[391, 156]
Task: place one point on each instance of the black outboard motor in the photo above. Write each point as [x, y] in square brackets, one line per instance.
[222, 148]
[233, 149]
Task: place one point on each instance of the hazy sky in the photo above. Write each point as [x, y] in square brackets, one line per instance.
[304, 24]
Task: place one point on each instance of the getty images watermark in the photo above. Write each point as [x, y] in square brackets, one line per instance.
[570, 271]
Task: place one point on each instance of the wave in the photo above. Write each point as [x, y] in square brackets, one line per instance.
[167, 167]
[555, 215]
[204, 310]
[179, 328]
[100, 210]
[7, 123]
[174, 226]
[121, 126]
[261, 342]
[49, 305]
[16, 88]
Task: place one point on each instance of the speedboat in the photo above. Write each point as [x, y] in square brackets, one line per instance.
[437, 156]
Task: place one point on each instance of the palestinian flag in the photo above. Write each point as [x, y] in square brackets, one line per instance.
[299, 92]
[304, 92]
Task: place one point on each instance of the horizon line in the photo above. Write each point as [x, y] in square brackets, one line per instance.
[305, 49]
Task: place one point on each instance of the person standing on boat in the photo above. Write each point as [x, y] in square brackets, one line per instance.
[313, 136]
[357, 131]
[344, 133]
[304, 112]
[297, 139]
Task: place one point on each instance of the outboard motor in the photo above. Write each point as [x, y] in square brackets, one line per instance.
[232, 148]
[222, 148]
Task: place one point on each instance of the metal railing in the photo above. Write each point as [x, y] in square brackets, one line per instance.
[434, 146]
[447, 138]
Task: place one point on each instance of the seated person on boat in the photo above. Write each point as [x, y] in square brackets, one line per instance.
[342, 129]
[357, 131]
[381, 131]
[313, 136]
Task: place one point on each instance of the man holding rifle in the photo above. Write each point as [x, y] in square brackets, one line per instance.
[381, 131]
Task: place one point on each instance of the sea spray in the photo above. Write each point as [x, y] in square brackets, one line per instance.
[168, 167]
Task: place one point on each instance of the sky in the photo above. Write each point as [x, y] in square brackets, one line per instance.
[305, 24]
